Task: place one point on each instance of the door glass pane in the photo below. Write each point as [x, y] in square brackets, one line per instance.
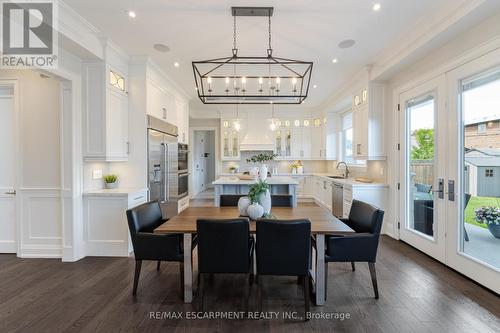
[480, 222]
[420, 165]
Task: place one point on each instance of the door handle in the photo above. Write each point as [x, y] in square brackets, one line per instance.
[11, 192]
[440, 189]
[451, 190]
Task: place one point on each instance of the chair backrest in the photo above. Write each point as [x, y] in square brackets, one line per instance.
[223, 245]
[364, 217]
[423, 187]
[283, 247]
[467, 198]
[144, 218]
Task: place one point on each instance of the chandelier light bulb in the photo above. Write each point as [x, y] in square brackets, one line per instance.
[227, 80]
[278, 80]
[237, 126]
[261, 80]
[273, 126]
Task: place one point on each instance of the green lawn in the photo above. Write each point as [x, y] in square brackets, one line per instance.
[475, 203]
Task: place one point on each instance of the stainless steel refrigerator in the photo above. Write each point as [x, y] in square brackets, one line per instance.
[162, 165]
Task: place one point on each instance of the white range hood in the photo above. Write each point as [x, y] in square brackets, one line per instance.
[259, 136]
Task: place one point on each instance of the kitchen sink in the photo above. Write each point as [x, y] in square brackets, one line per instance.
[337, 177]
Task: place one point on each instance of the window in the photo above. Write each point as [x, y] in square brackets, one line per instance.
[116, 80]
[347, 140]
[489, 173]
[481, 128]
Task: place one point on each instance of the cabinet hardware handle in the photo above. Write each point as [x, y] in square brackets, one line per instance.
[11, 192]
[139, 197]
[358, 146]
[128, 147]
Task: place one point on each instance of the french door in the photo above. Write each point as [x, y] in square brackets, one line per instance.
[449, 169]
[423, 167]
[473, 240]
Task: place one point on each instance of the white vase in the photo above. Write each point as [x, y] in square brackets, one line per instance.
[255, 211]
[243, 204]
[265, 201]
[254, 171]
[263, 172]
[111, 186]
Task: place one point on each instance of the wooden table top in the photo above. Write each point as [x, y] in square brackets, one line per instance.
[322, 221]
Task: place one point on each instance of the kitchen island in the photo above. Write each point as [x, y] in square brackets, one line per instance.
[228, 190]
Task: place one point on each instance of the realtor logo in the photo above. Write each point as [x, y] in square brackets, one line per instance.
[29, 34]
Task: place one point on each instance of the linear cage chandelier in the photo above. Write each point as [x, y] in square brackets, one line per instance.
[252, 80]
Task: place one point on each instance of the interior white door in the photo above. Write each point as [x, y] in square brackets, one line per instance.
[474, 153]
[422, 167]
[7, 173]
[200, 161]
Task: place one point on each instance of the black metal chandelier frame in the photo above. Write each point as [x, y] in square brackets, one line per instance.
[297, 71]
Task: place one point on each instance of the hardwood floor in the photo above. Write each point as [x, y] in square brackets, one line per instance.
[417, 294]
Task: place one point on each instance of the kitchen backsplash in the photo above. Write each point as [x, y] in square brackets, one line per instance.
[283, 166]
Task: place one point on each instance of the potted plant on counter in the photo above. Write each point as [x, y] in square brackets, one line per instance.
[261, 158]
[491, 217]
[111, 181]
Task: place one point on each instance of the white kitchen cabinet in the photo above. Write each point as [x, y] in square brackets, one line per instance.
[367, 120]
[283, 139]
[375, 195]
[105, 114]
[305, 188]
[182, 120]
[301, 140]
[230, 140]
[317, 139]
[105, 224]
[323, 191]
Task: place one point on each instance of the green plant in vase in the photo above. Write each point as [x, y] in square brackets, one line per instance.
[260, 193]
[111, 181]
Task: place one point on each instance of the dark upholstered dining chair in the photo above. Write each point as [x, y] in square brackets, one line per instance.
[366, 221]
[142, 221]
[224, 247]
[284, 248]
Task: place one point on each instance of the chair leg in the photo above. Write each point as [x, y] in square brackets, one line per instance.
[202, 290]
[158, 265]
[181, 278]
[466, 236]
[353, 266]
[259, 291]
[326, 279]
[306, 297]
[373, 274]
[247, 293]
[138, 264]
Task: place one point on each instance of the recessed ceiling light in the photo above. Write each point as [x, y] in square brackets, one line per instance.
[345, 44]
[376, 7]
[161, 47]
[131, 14]
[315, 86]
[176, 64]
[335, 60]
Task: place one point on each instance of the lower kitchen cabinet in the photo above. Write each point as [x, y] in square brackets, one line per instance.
[105, 222]
[373, 194]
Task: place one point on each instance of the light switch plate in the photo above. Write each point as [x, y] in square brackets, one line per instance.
[96, 174]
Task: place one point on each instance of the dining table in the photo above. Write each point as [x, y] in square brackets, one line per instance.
[323, 222]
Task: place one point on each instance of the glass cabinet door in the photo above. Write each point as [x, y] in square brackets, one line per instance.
[226, 144]
[235, 144]
[278, 147]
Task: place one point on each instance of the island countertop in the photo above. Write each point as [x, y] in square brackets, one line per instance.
[276, 180]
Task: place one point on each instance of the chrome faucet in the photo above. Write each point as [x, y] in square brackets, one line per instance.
[346, 175]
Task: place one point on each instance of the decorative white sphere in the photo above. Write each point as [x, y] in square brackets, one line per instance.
[243, 204]
[255, 211]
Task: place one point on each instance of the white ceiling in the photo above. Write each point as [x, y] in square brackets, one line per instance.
[306, 30]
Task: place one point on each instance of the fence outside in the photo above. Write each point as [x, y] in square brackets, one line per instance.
[423, 171]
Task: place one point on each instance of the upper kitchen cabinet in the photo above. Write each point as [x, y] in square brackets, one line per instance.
[367, 120]
[164, 102]
[182, 120]
[283, 139]
[301, 139]
[230, 139]
[105, 112]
